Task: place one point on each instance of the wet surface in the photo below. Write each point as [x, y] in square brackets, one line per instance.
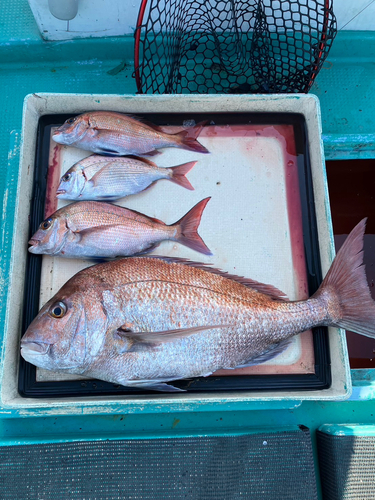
[352, 196]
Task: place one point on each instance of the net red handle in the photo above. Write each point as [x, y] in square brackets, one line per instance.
[137, 35]
[321, 45]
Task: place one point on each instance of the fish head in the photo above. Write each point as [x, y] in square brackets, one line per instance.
[70, 330]
[71, 184]
[72, 130]
[56, 338]
[50, 236]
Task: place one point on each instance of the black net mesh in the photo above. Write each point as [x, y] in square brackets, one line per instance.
[231, 46]
[347, 466]
[276, 465]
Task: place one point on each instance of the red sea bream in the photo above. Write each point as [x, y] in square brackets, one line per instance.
[144, 322]
[103, 178]
[94, 229]
[107, 132]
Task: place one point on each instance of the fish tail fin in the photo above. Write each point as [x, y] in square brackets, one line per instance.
[187, 139]
[188, 229]
[178, 174]
[350, 304]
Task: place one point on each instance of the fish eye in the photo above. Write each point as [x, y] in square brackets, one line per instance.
[58, 310]
[70, 121]
[46, 224]
[66, 177]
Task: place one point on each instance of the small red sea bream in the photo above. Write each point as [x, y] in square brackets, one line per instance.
[94, 229]
[143, 322]
[107, 132]
[102, 178]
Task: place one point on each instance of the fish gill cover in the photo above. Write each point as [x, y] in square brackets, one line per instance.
[231, 46]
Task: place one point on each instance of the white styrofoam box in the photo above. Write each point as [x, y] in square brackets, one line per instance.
[102, 18]
[254, 247]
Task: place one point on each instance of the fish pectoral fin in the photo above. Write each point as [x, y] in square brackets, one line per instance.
[153, 385]
[100, 229]
[97, 177]
[273, 351]
[71, 226]
[143, 341]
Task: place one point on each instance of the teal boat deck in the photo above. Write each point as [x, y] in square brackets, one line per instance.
[346, 89]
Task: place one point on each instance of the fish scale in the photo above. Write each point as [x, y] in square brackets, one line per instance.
[99, 230]
[114, 133]
[100, 178]
[215, 300]
[142, 322]
[122, 123]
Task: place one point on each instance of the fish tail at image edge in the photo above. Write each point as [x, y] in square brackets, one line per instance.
[345, 291]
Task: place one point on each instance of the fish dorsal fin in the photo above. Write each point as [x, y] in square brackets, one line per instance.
[272, 292]
[144, 121]
[153, 219]
[163, 129]
[155, 127]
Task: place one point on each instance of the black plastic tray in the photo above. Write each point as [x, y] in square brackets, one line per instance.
[28, 385]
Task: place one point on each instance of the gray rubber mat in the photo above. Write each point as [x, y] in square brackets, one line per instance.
[347, 466]
[258, 466]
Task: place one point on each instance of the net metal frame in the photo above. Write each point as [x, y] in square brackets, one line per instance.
[231, 46]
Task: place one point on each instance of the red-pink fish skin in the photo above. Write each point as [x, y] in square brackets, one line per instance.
[101, 230]
[103, 178]
[113, 133]
[103, 308]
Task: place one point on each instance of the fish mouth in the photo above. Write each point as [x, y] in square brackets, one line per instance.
[60, 191]
[33, 245]
[61, 137]
[34, 348]
[58, 137]
[59, 131]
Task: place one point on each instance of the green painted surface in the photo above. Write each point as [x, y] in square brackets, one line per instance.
[363, 385]
[348, 430]
[29, 65]
[17, 22]
[310, 414]
[8, 194]
[345, 86]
